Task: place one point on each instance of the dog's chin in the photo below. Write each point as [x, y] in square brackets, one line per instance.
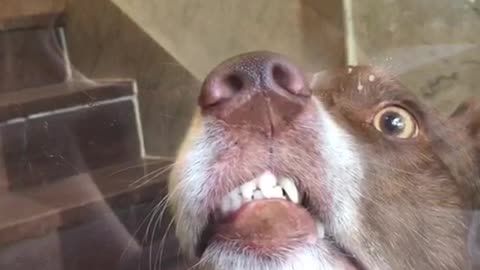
[316, 256]
[219, 257]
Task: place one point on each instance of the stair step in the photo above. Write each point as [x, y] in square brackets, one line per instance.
[67, 129]
[31, 58]
[106, 243]
[85, 197]
[30, 13]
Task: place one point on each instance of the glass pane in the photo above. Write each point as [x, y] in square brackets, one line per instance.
[223, 134]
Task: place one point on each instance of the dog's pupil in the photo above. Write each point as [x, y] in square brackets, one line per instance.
[393, 123]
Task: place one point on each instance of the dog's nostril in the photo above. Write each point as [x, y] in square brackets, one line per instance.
[290, 79]
[219, 88]
[234, 82]
[282, 77]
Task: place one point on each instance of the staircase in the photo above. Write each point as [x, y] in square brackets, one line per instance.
[76, 191]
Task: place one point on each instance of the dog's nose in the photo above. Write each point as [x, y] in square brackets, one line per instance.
[252, 72]
[258, 88]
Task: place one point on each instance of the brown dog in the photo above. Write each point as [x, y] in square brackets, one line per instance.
[360, 176]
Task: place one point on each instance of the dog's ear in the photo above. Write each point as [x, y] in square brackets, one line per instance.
[467, 115]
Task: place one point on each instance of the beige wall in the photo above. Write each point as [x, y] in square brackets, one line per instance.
[169, 46]
[434, 43]
[199, 34]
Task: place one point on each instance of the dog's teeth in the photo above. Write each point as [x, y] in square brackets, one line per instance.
[265, 186]
[235, 199]
[257, 195]
[277, 192]
[247, 190]
[226, 206]
[244, 199]
[267, 193]
[267, 181]
[320, 230]
[290, 189]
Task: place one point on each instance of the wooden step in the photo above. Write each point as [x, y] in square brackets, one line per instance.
[15, 14]
[110, 242]
[65, 130]
[31, 58]
[85, 197]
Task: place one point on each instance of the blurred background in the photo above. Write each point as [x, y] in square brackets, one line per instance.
[96, 95]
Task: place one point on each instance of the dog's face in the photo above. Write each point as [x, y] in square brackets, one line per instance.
[360, 175]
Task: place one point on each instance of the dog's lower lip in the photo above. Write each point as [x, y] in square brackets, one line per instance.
[266, 210]
[209, 232]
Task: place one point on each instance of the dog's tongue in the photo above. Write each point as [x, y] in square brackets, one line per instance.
[269, 223]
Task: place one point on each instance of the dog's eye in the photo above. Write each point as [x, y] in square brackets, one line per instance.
[397, 122]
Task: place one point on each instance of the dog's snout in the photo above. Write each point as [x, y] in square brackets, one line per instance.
[254, 86]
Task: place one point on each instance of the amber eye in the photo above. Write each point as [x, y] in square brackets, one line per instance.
[396, 122]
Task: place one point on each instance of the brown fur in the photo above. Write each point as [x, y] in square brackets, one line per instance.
[419, 192]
